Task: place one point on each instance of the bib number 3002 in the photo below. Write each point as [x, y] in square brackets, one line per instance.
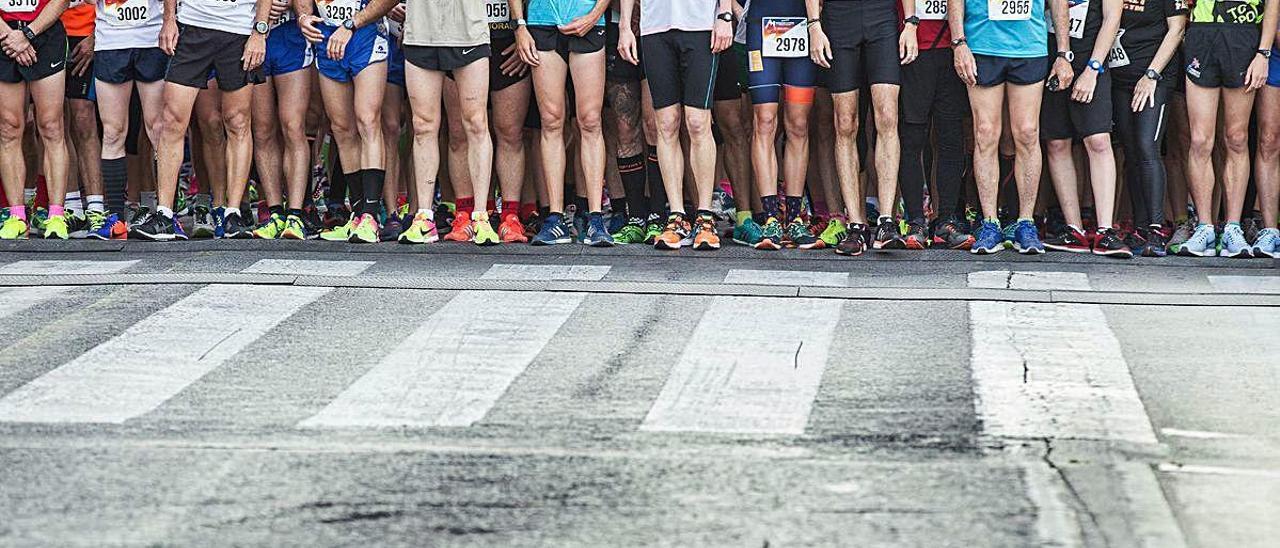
[1009, 10]
[785, 37]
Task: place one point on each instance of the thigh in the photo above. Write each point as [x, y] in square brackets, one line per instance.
[369, 85]
[473, 86]
[549, 85]
[699, 68]
[588, 80]
[1024, 104]
[293, 95]
[846, 72]
[425, 89]
[113, 105]
[662, 69]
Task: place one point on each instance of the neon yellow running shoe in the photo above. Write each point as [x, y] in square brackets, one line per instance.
[365, 230]
[421, 231]
[484, 232]
[13, 229]
[295, 229]
[340, 233]
[56, 227]
[834, 232]
[271, 229]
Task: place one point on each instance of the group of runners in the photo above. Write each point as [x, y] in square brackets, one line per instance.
[845, 124]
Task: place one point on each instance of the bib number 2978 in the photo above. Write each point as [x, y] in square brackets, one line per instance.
[785, 37]
[1009, 10]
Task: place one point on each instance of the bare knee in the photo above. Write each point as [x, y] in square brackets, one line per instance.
[1098, 144]
[237, 124]
[1058, 147]
[590, 123]
[1237, 142]
[1026, 134]
[1201, 144]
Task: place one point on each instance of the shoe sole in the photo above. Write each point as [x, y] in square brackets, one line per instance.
[1065, 249]
[987, 250]
[553, 242]
[156, 237]
[848, 254]
[666, 246]
[1027, 250]
[1117, 253]
[890, 245]
[1186, 252]
[916, 245]
[966, 245]
[815, 245]
[1243, 254]
[767, 245]
[704, 246]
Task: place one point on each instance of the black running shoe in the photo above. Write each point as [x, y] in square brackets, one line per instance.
[311, 220]
[854, 242]
[1155, 244]
[1109, 244]
[234, 227]
[917, 235]
[154, 227]
[888, 236]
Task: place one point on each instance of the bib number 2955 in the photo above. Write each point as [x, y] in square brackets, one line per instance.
[1009, 10]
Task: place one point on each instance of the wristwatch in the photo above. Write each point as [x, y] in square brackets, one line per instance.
[1265, 53]
[1069, 55]
[957, 42]
[1151, 74]
[349, 24]
[30, 34]
[261, 27]
[913, 20]
[725, 16]
[521, 22]
[1096, 65]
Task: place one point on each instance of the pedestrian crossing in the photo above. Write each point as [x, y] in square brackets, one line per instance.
[453, 368]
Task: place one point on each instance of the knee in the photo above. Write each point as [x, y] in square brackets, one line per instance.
[1058, 147]
[797, 129]
[766, 124]
[425, 126]
[51, 128]
[476, 123]
[846, 127]
[699, 125]
[85, 121]
[1269, 143]
[369, 125]
[886, 121]
[552, 121]
[11, 127]
[237, 124]
[1201, 144]
[1237, 142]
[1098, 144]
[510, 137]
[590, 123]
[1026, 134]
[667, 126]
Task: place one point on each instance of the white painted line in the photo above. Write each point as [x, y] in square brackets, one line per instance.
[66, 267]
[1246, 284]
[1176, 468]
[453, 369]
[535, 272]
[802, 278]
[1057, 524]
[1199, 434]
[308, 267]
[1029, 280]
[154, 359]
[736, 381]
[16, 300]
[1150, 519]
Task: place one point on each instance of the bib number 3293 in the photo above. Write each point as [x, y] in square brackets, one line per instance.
[785, 37]
[334, 12]
[1009, 10]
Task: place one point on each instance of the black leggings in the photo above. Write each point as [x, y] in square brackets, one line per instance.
[948, 163]
[1142, 135]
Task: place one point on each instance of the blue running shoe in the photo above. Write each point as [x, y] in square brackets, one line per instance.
[1234, 243]
[1267, 244]
[554, 231]
[1026, 239]
[178, 232]
[1202, 243]
[1007, 231]
[219, 218]
[990, 239]
[597, 234]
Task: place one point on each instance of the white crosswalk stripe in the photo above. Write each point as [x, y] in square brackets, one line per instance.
[1246, 284]
[577, 272]
[802, 278]
[310, 267]
[19, 299]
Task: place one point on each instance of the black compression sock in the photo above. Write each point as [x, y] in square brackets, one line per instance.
[276, 210]
[372, 184]
[115, 176]
[770, 206]
[355, 188]
[631, 170]
[653, 176]
[795, 207]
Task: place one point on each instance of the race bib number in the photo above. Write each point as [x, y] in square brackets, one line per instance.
[1118, 58]
[931, 10]
[785, 37]
[128, 13]
[19, 6]
[1009, 10]
[334, 12]
[496, 12]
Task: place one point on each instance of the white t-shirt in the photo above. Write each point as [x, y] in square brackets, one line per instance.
[687, 15]
[233, 16]
[126, 24]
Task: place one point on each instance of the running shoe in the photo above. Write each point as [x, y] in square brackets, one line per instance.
[336, 215]
[102, 226]
[233, 227]
[748, 232]
[1202, 243]
[596, 233]
[483, 232]
[272, 229]
[365, 230]
[311, 221]
[14, 229]
[1233, 243]
[854, 242]
[1006, 231]
[421, 231]
[1067, 239]
[1153, 244]
[1109, 244]
[801, 235]
[652, 228]
[156, 228]
[56, 227]
[1136, 239]
[616, 222]
[1180, 235]
[630, 233]
[138, 215]
[579, 226]
[1026, 239]
[77, 226]
[1252, 226]
[771, 234]
[917, 236]
[989, 239]
[460, 230]
[39, 216]
[953, 234]
[340, 233]
[704, 234]
[219, 222]
[295, 228]
[1267, 244]
[554, 231]
[202, 222]
[391, 229]
[888, 235]
[676, 234]
[834, 232]
[532, 225]
[510, 231]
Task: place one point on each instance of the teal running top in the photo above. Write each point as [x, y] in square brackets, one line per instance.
[558, 12]
[1017, 29]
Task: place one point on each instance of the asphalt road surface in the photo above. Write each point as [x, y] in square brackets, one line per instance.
[250, 393]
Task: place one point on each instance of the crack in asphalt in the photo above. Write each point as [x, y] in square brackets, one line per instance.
[1078, 499]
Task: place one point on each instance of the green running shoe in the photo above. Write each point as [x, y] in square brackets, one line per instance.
[630, 233]
[653, 228]
[340, 233]
[56, 227]
[834, 233]
[13, 229]
[295, 229]
[485, 234]
[748, 232]
[800, 234]
[365, 230]
[272, 229]
[38, 219]
[770, 235]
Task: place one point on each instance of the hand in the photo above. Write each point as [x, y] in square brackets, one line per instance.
[627, 45]
[1086, 84]
[397, 13]
[337, 46]
[82, 56]
[169, 36]
[527, 49]
[1062, 69]
[580, 26]
[721, 36]
[908, 47]
[27, 57]
[14, 42]
[1256, 76]
[1144, 94]
[512, 65]
[255, 50]
[307, 24]
[278, 9]
[819, 46]
[966, 66]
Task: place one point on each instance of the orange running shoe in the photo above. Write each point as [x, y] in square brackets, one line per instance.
[511, 230]
[704, 236]
[460, 230]
[675, 235]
